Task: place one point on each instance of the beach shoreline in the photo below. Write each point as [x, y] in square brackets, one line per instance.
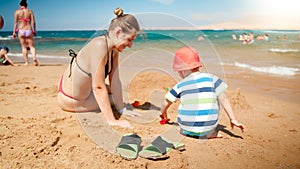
[36, 133]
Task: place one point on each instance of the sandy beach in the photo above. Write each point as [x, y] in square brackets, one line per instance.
[36, 133]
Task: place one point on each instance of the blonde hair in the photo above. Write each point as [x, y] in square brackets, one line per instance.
[127, 22]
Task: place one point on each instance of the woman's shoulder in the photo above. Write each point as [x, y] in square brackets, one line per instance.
[94, 46]
[98, 41]
[21, 12]
[18, 11]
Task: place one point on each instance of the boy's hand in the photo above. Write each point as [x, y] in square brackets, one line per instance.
[163, 120]
[237, 124]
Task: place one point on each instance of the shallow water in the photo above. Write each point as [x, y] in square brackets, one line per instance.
[271, 67]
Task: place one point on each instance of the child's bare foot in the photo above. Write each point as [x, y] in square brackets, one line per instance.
[214, 135]
[26, 64]
[36, 63]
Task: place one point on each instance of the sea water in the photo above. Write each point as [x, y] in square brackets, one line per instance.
[277, 56]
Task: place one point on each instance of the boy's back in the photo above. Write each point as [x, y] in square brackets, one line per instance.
[198, 109]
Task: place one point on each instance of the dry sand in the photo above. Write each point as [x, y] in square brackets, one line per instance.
[36, 133]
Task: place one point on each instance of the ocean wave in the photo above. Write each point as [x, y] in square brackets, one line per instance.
[277, 70]
[281, 31]
[6, 38]
[277, 50]
[38, 56]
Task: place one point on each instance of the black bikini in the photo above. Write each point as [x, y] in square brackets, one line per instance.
[107, 71]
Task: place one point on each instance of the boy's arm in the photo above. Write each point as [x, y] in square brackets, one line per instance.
[7, 59]
[164, 107]
[228, 109]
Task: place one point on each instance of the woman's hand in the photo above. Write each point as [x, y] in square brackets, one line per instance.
[126, 112]
[121, 123]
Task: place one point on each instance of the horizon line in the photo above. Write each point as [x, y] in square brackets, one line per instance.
[216, 29]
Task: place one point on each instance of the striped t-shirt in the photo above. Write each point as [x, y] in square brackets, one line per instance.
[198, 109]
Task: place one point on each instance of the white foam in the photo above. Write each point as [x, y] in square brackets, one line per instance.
[6, 38]
[277, 70]
[38, 56]
[277, 50]
[10, 37]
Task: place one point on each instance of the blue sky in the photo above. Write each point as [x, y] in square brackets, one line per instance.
[95, 14]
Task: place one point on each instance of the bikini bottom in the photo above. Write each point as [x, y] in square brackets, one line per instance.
[25, 33]
[61, 90]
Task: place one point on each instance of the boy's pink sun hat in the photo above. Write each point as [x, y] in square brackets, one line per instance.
[186, 58]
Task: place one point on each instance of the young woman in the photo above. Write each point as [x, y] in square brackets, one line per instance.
[82, 86]
[24, 24]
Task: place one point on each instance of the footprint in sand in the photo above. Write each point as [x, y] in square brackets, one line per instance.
[273, 115]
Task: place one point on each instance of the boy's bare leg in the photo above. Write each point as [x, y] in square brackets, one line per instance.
[214, 135]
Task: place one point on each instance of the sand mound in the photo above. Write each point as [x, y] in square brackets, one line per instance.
[143, 85]
[238, 100]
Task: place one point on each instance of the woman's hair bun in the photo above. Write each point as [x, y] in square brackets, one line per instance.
[23, 3]
[118, 12]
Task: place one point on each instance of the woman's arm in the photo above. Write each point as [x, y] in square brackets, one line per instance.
[115, 84]
[33, 22]
[15, 24]
[97, 64]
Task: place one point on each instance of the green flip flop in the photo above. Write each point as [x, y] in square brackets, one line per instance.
[159, 147]
[129, 146]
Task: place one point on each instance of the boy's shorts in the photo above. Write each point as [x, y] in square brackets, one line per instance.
[193, 134]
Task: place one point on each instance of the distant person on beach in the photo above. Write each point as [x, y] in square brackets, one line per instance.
[251, 37]
[82, 87]
[259, 37]
[25, 25]
[266, 37]
[246, 38]
[241, 38]
[199, 94]
[284, 37]
[233, 37]
[200, 38]
[4, 60]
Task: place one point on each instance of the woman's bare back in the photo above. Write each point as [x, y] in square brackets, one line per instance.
[24, 17]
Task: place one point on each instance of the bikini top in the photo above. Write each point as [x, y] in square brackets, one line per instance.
[25, 20]
[107, 71]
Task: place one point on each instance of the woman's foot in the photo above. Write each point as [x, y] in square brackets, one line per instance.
[36, 63]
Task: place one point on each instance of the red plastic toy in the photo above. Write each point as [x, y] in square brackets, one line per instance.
[163, 120]
[135, 103]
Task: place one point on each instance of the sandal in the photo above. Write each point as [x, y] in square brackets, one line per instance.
[129, 146]
[159, 147]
